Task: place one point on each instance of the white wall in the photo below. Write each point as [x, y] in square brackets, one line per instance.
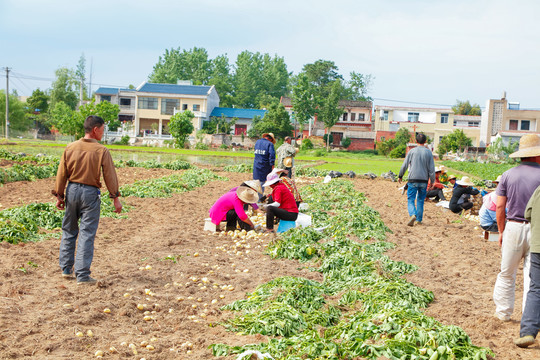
[426, 117]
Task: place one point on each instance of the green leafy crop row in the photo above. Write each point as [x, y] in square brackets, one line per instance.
[153, 164]
[363, 308]
[241, 168]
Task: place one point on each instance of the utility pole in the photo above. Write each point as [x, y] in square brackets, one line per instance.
[7, 101]
[90, 79]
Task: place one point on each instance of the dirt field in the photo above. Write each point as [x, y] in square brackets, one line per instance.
[41, 312]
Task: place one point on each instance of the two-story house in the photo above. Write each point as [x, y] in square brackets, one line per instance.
[434, 122]
[506, 120]
[243, 117]
[124, 98]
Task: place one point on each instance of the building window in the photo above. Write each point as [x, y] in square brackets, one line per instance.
[184, 107]
[148, 103]
[382, 138]
[125, 102]
[106, 98]
[413, 117]
[353, 116]
[196, 107]
[525, 124]
[444, 118]
[385, 115]
[168, 106]
[344, 117]
[361, 117]
[455, 122]
[473, 124]
[513, 125]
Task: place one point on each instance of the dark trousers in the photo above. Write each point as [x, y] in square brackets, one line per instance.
[492, 227]
[272, 211]
[436, 193]
[464, 206]
[289, 173]
[530, 320]
[233, 219]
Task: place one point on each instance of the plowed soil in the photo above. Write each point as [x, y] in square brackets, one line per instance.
[40, 312]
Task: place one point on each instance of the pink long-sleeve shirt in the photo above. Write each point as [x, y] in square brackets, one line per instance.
[218, 211]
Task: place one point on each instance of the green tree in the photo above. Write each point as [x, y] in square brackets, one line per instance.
[107, 111]
[37, 107]
[303, 100]
[358, 87]
[330, 111]
[221, 78]
[403, 136]
[499, 151]
[64, 88]
[322, 74]
[346, 142]
[275, 121]
[17, 119]
[177, 64]
[181, 126]
[465, 108]
[399, 142]
[455, 141]
[258, 78]
[218, 125]
[80, 74]
[63, 118]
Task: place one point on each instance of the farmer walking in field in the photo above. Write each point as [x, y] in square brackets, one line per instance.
[285, 156]
[80, 167]
[421, 167]
[513, 192]
[265, 156]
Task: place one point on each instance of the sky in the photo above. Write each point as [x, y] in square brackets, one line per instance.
[425, 53]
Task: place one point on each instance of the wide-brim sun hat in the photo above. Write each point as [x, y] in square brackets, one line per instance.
[529, 145]
[247, 194]
[254, 184]
[271, 135]
[452, 177]
[272, 178]
[465, 181]
[442, 168]
[287, 162]
[437, 170]
[279, 171]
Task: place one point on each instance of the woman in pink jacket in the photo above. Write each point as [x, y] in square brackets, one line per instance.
[230, 207]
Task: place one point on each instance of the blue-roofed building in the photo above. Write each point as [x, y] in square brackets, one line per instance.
[149, 107]
[244, 117]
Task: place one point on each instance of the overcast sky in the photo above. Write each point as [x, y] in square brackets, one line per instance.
[418, 51]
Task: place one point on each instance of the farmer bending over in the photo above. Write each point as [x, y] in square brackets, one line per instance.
[230, 207]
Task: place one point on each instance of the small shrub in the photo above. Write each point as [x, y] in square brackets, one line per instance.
[201, 146]
[346, 142]
[223, 146]
[320, 152]
[307, 144]
[124, 140]
[398, 152]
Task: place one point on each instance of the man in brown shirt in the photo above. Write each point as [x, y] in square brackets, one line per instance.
[81, 166]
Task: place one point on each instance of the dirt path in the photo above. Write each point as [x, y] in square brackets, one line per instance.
[41, 312]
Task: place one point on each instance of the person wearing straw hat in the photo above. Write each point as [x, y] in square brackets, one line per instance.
[421, 167]
[460, 195]
[513, 192]
[285, 154]
[255, 185]
[443, 178]
[290, 184]
[265, 156]
[230, 207]
[283, 206]
[487, 214]
[452, 180]
[434, 190]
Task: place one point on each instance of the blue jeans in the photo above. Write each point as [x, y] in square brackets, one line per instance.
[82, 203]
[416, 191]
[530, 320]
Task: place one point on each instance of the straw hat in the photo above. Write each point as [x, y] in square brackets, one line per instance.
[465, 181]
[443, 168]
[452, 177]
[279, 171]
[271, 135]
[254, 184]
[529, 145]
[272, 178]
[437, 170]
[498, 179]
[247, 194]
[287, 162]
